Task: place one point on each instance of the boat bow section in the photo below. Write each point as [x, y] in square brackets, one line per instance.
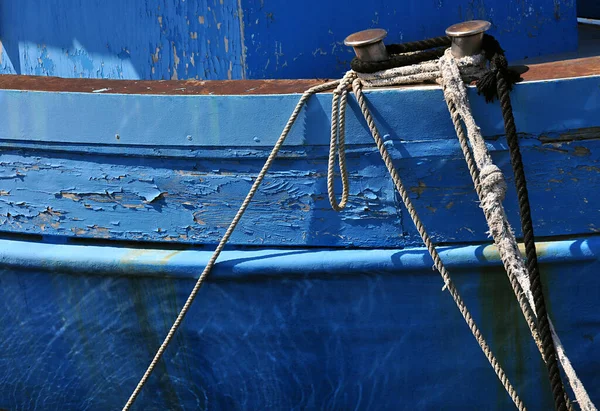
[111, 202]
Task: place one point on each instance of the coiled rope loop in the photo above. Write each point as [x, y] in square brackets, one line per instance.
[338, 139]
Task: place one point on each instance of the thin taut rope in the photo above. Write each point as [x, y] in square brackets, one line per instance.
[491, 196]
[305, 96]
[339, 117]
[437, 261]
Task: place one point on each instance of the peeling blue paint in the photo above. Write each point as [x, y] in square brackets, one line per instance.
[64, 175]
[144, 39]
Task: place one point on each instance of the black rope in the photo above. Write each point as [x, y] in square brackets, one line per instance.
[426, 44]
[498, 82]
[421, 50]
[488, 83]
[396, 60]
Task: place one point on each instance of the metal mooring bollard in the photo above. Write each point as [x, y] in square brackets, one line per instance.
[467, 37]
[368, 44]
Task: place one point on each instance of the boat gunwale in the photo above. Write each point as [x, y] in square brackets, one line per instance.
[118, 260]
[563, 69]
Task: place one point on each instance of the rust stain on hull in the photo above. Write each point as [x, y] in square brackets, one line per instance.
[545, 71]
[490, 252]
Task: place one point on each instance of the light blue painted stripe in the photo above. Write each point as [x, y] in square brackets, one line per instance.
[413, 114]
[235, 263]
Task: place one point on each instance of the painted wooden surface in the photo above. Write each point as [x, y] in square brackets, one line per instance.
[282, 329]
[210, 39]
[304, 325]
[142, 39]
[284, 41]
[121, 169]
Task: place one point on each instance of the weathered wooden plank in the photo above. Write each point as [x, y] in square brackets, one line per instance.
[190, 200]
[414, 114]
[193, 199]
[588, 66]
[561, 178]
[134, 168]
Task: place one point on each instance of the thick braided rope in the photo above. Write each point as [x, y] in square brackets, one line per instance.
[539, 303]
[494, 212]
[551, 344]
[396, 60]
[448, 283]
[474, 172]
[464, 143]
[305, 96]
[443, 41]
[491, 180]
[471, 68]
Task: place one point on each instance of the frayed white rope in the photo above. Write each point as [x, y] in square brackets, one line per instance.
[491, 178]
[472, 67]
[493, 190]
[581, 395]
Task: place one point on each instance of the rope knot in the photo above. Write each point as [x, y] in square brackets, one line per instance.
[492, 181]
[488, 83]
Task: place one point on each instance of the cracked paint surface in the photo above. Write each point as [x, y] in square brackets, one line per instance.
[69, 176]
[187, 200]
[193, 199]
[148, 39]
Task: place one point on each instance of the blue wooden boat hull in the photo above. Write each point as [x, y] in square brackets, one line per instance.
[110, 214]
[282, 328]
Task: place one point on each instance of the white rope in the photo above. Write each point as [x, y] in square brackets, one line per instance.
[490, 176]
[438, 264]
[581, 395]
[493, 189]
[492, 184]
[429, 71]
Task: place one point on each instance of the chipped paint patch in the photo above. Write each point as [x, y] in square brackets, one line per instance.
[125, 41]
